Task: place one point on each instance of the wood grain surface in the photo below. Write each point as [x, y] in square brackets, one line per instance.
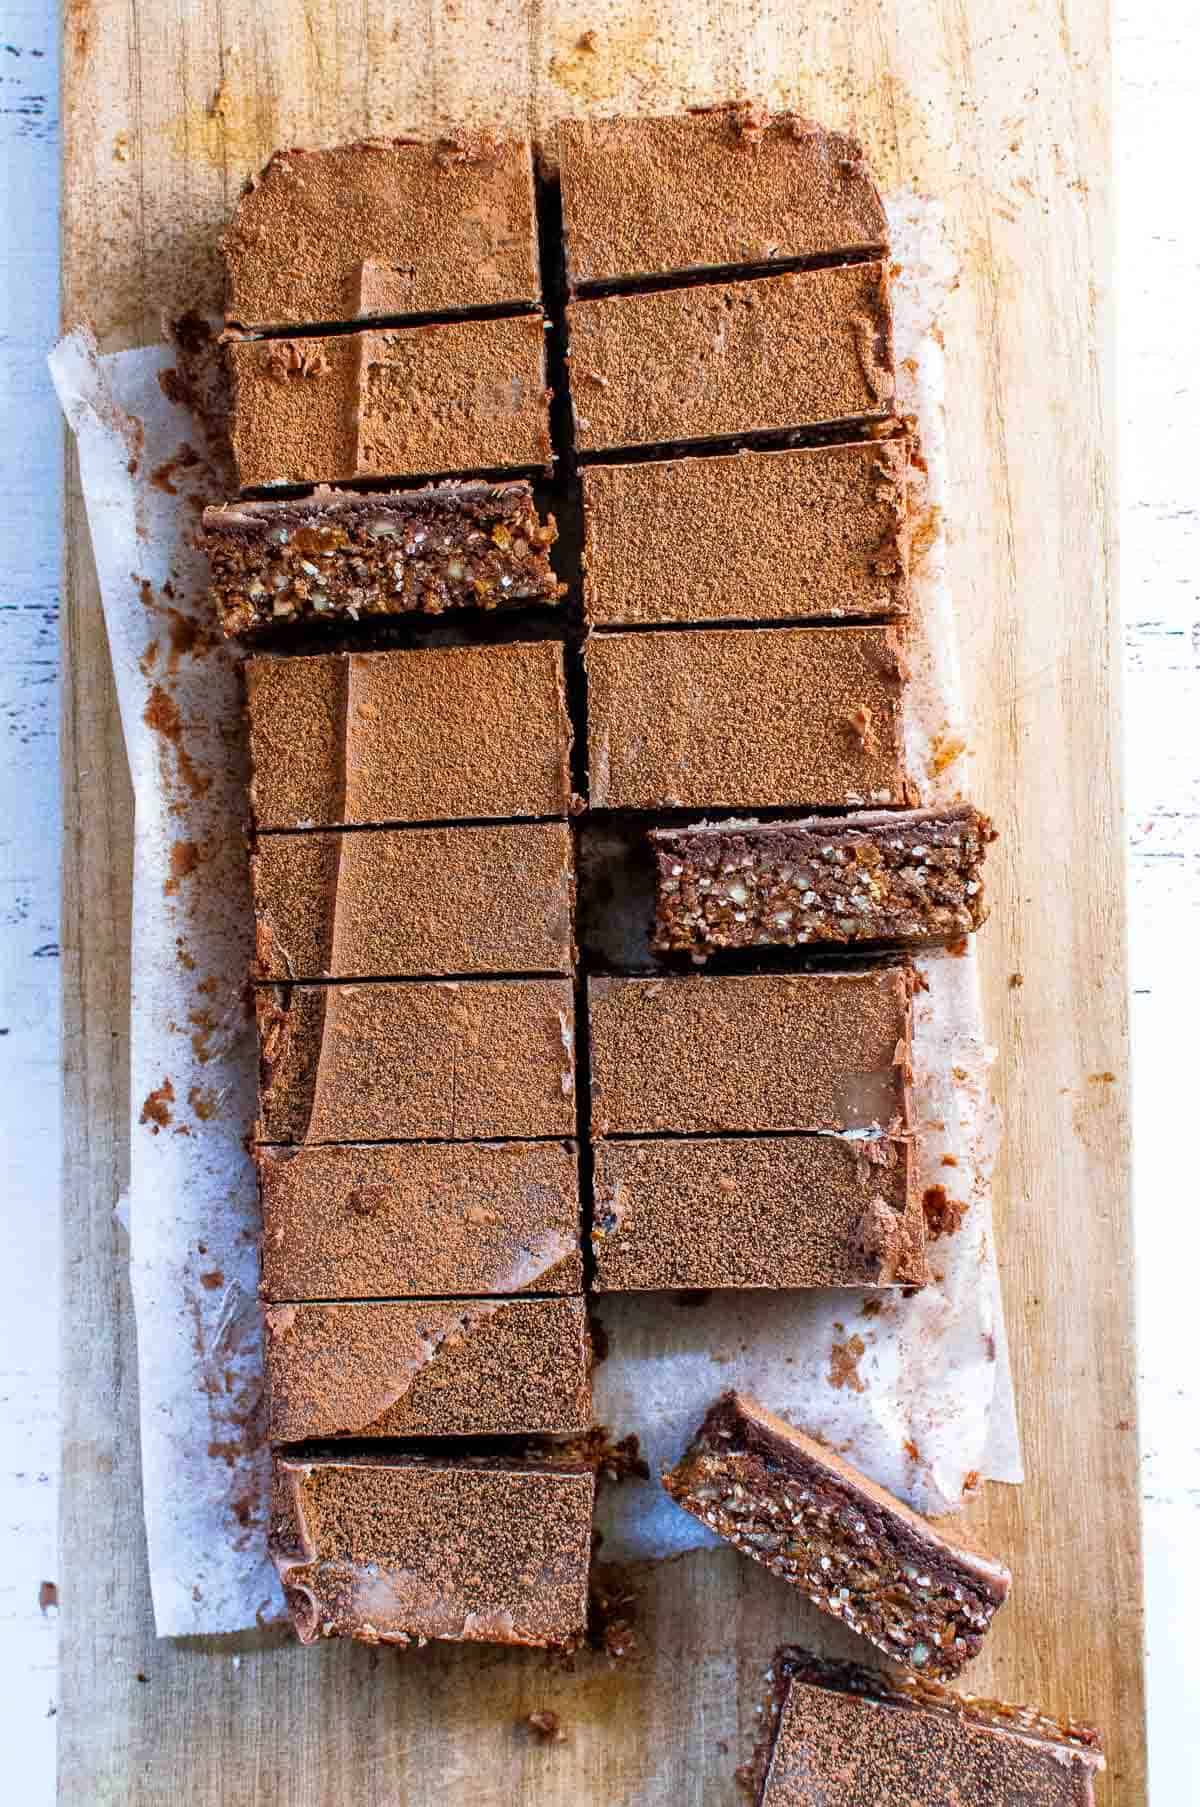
[1001, 110]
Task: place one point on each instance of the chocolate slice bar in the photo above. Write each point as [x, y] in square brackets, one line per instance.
[406, 1061]
[400, 1549]
[905, 876]
[758, 718]
[925, 1598]
[421, 902]
[432, 735]
[467, 395]
[381, 228]
[428, 1368]
[784, 1211]
[681, 365]
[337, 554]
[369, 1221]
[813, 1051]
[710, 188]
[756, 536]
[851, 1737]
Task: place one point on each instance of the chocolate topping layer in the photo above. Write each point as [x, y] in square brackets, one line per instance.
[925, 1598]
[390, 1221]
[790, 1211]
[428, 1368]
[757, 536]
[393, 902]
[396, 1550]
[645, 197]
[688, 364]
[386, 227]
[778, 1052]
[348, 1063]
[468, 395]
[749, 718]
[431, 735]
[850, 1737]
[895, 876]
[338, 554]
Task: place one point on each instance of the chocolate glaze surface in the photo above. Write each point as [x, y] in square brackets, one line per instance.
[799, 350]
[391, 226]
[397, 1550]
[795, 1211]
[428, 1368]
[746, 718]
[711, 187]
[379, 1220]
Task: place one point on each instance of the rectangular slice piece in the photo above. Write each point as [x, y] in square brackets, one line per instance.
[851, 1737]
[432, 735]
[398, 1549]
[337, 554]
[706, 189]
[468, 395]
[897, 876]
[397, 902]
[755, 718]
[925, 1598]
[804, 349]
[785, 1211]
[372, 1062]
[755, 536]
[428, 1368]
[366, 1221]
[388, 227]
[761, 1052]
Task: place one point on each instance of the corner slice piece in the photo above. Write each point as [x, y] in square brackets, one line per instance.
[400, 1549]
[859, 1553]
[710, 188]
[851, 1737]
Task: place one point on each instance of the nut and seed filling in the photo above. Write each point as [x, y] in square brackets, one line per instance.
[781, 888]
[390, 557]
[927, 1616]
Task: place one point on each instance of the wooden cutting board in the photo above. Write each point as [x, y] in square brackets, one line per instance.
[1002, 111]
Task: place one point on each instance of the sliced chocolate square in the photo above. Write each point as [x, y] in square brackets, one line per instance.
[338, 555]
[431, 735]
[710, 188]
[851, 1737]
[746, 718]
[381, 228]
[818, 532]
[410, 1060]
[923, 1595]
[421, 401]
[398, 1220]
[910, 877]
[812, 1051]
[420, 902]
[683, 365]
[394, 1549]
[678, 1214]
[428, 1368]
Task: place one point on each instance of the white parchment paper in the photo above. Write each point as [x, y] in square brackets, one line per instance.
[915, 1390]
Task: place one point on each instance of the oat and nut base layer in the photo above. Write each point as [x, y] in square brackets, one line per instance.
[859, 1553]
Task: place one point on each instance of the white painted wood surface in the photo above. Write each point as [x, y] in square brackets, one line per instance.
[1158, 69]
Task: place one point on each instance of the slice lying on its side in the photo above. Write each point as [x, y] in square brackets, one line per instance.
[859, 1553]
[910, 876]
[850, 1737]
[337, 554]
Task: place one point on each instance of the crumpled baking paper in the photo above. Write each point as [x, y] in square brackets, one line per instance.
[916, 1390]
